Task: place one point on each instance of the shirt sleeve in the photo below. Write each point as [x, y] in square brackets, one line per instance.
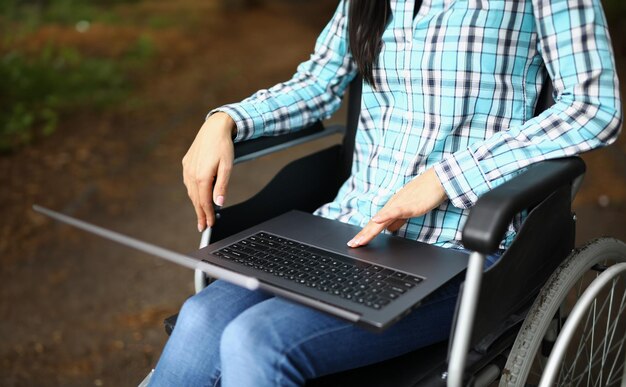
[576, 49]
[313, 93]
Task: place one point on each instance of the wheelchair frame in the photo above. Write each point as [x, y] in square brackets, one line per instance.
[481, 332]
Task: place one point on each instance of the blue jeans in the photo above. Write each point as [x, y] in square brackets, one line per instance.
[235, 337]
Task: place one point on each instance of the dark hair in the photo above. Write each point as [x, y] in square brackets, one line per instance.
[366, 24]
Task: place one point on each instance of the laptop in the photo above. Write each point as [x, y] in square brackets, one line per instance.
[304, 258]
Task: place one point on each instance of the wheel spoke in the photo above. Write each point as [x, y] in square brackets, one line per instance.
[619, 351]
[619, 371]
[584, 372]
[608, 319]
[582, 347]
[612, 327]
[591, 352]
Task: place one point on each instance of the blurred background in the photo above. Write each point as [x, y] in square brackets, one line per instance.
[99, 100]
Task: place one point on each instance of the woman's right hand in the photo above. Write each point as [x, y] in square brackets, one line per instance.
[207, 166]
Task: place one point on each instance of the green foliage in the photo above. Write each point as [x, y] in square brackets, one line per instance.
[38, 90]
[142, 50]
[32, 13]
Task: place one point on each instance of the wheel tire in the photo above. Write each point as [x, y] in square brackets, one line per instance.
[550, 298]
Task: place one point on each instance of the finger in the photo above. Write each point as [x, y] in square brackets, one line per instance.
[388, 214]
[205, 200]
[221, 184]
[192, 193]
[366, 234]
[396, 224]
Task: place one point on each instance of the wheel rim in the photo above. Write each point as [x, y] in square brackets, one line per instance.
[596, 357]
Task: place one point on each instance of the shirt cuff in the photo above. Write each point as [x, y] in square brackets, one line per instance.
[462, 178]
[247, 119]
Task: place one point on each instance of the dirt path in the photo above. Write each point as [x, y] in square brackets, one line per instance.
[79, 311]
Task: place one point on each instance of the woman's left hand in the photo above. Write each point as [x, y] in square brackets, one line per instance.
[418, 197]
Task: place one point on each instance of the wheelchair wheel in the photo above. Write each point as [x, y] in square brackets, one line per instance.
[599, 343]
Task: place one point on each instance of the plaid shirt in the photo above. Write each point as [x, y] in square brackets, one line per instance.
[455, 90]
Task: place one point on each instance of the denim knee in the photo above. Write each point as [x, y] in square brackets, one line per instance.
[246, 337]
[195, 313]
[252, 353]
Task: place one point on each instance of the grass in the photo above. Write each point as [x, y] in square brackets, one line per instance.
[38, 89]
[60, 80]
[42, 88]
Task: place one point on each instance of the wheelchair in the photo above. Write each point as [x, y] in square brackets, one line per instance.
[508, 317]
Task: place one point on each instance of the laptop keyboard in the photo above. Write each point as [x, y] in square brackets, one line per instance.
[360, 282]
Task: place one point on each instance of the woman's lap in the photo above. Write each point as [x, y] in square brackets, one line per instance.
[192, 352]
[252, 338]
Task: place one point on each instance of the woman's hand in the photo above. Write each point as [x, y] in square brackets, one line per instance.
[209, 161]
[418, 197]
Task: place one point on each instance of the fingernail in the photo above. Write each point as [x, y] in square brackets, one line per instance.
[220, 200]
[354, 242]
[200, 228]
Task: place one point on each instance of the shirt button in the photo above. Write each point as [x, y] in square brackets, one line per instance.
[398, 156]
[407, 73]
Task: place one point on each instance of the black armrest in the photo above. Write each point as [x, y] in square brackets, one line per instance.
[248, 150]
[489, 218]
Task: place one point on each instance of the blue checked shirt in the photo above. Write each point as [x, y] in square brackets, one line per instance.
[455, 90]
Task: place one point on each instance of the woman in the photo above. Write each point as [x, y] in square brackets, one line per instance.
[447, 106]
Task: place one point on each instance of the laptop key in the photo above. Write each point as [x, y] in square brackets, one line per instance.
[402, 283]
[397, 289]
[390, 295]
[386, 272]
[380, 302]
[414, 279]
